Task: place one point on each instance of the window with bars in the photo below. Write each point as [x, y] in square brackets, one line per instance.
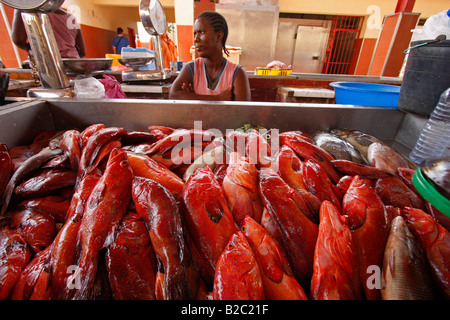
[344, 32]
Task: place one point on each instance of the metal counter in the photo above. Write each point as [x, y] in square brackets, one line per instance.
[20, 123]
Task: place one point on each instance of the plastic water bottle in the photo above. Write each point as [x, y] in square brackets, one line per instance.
[434, 140]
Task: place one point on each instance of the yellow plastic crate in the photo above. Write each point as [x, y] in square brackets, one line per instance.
[272, 72]
[263, 71]
[285, 72]
[115, 58]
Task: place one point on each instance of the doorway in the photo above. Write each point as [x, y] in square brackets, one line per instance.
[344, 33]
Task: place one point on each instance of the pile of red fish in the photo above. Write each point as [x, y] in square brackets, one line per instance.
[105, 213]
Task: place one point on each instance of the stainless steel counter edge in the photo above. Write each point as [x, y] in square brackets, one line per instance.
[22, 122]
[328, 77]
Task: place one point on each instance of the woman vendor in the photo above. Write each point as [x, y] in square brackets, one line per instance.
[211, 76]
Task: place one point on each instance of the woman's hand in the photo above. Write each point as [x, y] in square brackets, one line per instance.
[187, 87]
[226, 95]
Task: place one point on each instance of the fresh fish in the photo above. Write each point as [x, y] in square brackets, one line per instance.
[27, 167]
[338, 147]
[299, 233]
[210, 158]
[335, 261]
[362, 141]
[405, 273]
[383, 157]
[237, 274]
[435, 240]
[240, 187]
[276, 273]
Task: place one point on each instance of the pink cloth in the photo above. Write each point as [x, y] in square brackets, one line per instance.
[113, 89]
[65, 29]
[201, 83]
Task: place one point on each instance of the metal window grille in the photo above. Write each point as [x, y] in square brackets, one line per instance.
[344, 32]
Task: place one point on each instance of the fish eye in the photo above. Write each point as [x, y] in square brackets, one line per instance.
[124, 163]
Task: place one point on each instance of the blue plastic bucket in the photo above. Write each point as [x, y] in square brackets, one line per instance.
[366, 94]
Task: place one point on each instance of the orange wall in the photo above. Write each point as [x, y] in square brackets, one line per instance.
[98, 41]
[185, 41]
[365, 56]
[6, 45]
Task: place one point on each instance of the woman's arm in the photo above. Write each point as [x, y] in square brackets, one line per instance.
[241, 86]
[79, 44]
[182, 89]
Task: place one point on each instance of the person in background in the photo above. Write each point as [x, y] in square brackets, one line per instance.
[119, 42]
[211, 76]
[65, 27]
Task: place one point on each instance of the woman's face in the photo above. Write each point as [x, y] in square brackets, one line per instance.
[206, 41]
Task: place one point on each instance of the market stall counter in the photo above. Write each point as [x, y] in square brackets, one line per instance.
[136, 161]
[20, 124]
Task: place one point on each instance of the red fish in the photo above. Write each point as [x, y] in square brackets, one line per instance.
[54, 205]
[93, 146]
[41, 141]
[105, 207]
[208, 219]
[158, 209]
[6, 167]
[37, 228]
[180, 147]
[64, 249]
[393, 191]
[347, 167]
[45, 183]
[15, 257]
[299, 232]
[240, 186]
[24, 171]
[290, 168]
[276, 273]
[131, 261]
[146, 167]
[237, 274]
[435, 239]
[335, 263]
[32, 284]
[89, 131]
[257, 149]
[304, 148]
[369, 223]
[316, 179]
[70, 144]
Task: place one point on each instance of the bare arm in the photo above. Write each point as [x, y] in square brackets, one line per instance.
[18, 33]
[79, 44]
[241, 87]
[182, 89]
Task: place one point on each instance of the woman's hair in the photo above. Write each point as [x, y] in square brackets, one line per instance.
[218, 23]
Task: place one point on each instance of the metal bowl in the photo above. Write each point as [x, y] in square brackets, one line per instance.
[136, 63]
[86, 66]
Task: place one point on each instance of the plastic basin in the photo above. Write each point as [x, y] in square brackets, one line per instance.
[366, 94]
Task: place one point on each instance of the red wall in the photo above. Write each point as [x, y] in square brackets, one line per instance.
[98, 41]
